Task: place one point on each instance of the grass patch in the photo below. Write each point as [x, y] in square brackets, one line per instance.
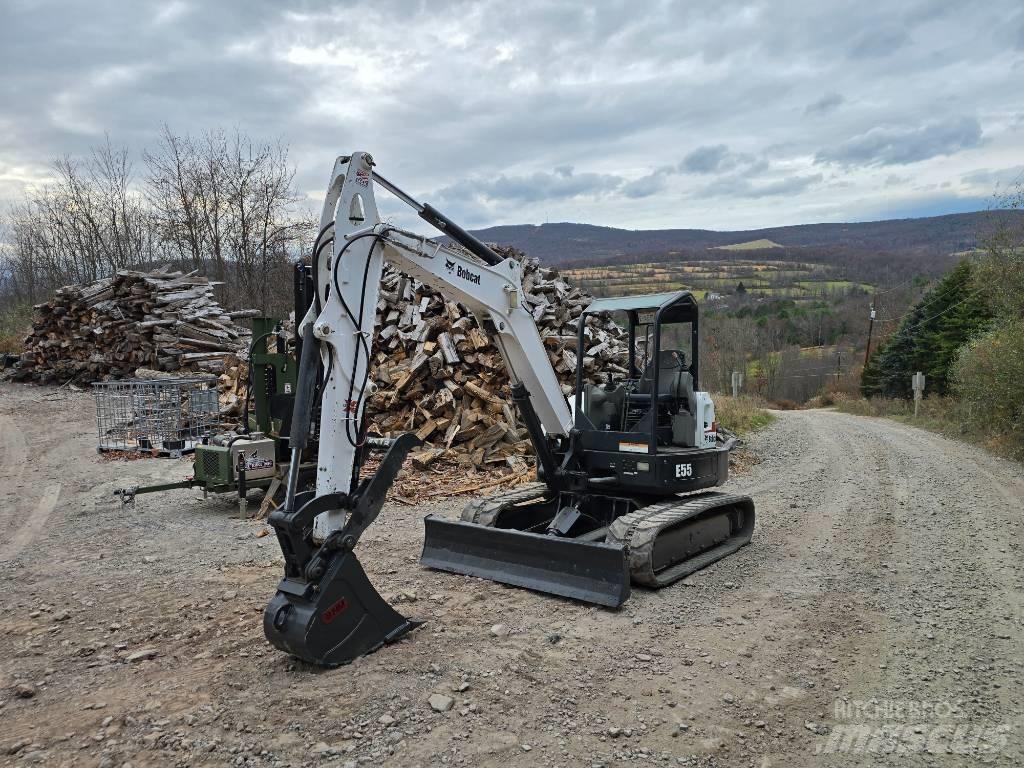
[741, 414]
[15, 322]
[750, 245]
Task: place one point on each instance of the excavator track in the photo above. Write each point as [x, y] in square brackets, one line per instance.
[663, 542]
[485, 511]
[672, 539]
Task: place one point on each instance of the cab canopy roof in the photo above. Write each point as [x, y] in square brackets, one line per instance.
[680, 302]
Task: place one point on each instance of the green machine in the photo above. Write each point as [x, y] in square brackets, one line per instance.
[257, 454]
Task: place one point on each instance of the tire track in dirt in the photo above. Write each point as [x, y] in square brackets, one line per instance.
[13, 451]
[33, 525]
[18, 514]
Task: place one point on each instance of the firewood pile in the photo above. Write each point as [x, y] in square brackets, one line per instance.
[164, 321]
[437, 373]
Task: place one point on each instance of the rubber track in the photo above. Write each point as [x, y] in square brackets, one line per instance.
[638, 530]
[485, 511]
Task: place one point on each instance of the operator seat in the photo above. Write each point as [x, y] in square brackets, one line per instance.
[674, 378]
[675, 393]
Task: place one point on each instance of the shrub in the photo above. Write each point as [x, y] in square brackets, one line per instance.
[741, 414]
[988, 375]
[15, 322]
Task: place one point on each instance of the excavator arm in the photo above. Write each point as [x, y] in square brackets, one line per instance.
[325, 611]
[343, 318]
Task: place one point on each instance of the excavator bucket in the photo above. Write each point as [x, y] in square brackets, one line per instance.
[593, 572]
[326, 611]
[334, 620]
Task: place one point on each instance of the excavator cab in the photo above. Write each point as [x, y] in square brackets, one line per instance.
[657, 395]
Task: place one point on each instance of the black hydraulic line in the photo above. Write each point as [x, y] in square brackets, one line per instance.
[438, 220]
[521, 397]
[358, 323]
[315, 262]
[302, 413]
[317, 298]
[459, 235]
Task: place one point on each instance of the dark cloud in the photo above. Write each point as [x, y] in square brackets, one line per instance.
[827, 103]
[707, 160]
[903, 145]
[989, 177]
[528, 110]
[561, 183]
[648, 185]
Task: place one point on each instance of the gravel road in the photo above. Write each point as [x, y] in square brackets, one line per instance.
[876, 619]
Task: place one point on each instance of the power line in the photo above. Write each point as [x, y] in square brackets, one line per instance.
[939, 314]
[895, 287]
[939, 294]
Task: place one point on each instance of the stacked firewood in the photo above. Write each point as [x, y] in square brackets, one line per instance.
[438, 374]
[434, 370]
[164, 321]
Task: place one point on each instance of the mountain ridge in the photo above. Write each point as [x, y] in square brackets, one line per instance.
[567, 243]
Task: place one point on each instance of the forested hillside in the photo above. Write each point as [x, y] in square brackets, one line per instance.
[935, 236]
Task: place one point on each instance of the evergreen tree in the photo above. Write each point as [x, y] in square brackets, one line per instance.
[929, 337]
[741, 288]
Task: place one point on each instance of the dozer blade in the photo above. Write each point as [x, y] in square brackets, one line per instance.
[334, 620]
[588, 571]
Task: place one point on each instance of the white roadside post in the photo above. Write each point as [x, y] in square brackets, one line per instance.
[917, 382]
[737, 383]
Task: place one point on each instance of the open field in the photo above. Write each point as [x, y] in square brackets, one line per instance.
[750, 245]
[781, 279]
[134, 636]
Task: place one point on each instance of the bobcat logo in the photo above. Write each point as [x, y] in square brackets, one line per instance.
[449, 265]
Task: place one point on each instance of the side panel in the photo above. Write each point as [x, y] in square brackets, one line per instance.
[667, 473]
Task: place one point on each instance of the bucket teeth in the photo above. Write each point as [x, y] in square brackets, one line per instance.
[335, 620]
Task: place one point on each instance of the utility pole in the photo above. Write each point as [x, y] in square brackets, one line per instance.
[871, 326]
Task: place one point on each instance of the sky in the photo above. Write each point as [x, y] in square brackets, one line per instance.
[717, 115]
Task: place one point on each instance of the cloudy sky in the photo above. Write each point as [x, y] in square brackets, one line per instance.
[631, 114]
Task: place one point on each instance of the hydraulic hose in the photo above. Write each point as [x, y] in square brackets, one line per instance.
[302, 415]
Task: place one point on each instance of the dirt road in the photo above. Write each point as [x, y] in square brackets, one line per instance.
[875, 620]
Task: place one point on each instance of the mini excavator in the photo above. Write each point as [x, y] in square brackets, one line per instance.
[622, 473]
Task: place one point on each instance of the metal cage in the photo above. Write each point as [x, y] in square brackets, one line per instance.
[166, 416]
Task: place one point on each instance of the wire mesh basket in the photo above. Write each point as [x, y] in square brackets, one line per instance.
[164, 416]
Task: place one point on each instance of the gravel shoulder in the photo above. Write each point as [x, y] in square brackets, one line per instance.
[883, 592]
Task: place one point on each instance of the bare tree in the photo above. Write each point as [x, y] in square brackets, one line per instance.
[227, 205]
[87, 223]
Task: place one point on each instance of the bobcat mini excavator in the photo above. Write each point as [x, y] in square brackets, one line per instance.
[616, 499]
